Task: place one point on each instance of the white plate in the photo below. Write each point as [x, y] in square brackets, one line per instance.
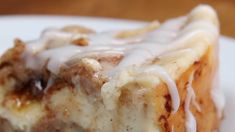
[29, 27]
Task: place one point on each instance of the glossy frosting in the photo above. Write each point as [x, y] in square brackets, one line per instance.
[191, 124]
[53, 49]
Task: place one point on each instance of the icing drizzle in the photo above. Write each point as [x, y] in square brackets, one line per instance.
[170, 83]
[111, 90]
[54, 49]
[191, 123]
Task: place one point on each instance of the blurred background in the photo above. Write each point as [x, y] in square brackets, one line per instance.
[145, 10]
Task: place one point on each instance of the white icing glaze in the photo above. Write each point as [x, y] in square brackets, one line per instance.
[191, 123]
[52, 38]
[54, 45]
[108, 37]
[38, 85]
[112, 89]
[53, 50]
[170, 83]
[49, 83]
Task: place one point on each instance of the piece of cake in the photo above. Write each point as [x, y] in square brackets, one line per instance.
[159, 78]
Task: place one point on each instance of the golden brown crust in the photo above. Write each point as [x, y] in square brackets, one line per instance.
[207, 119]
[80, 42]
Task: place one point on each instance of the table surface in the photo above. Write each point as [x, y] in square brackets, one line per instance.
[146, 10]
